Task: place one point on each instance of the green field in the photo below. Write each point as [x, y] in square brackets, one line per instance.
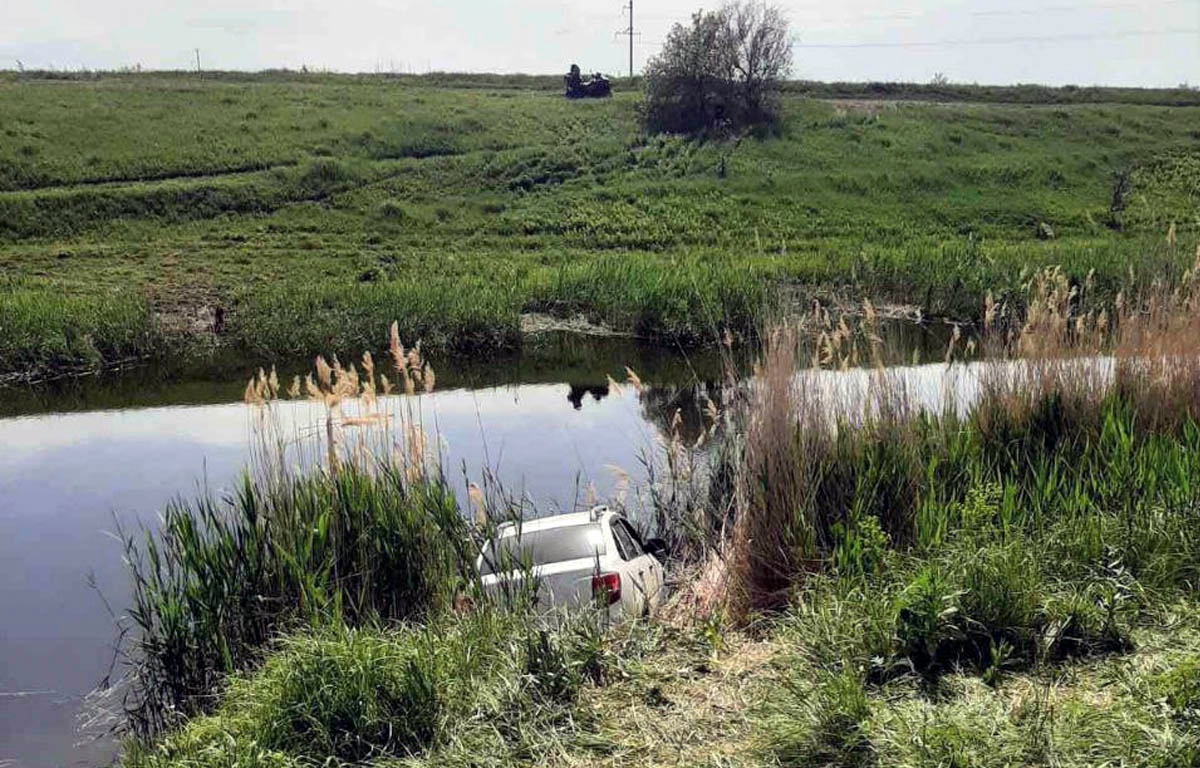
[315, 210]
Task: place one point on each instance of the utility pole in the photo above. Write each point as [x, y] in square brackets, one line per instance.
[629, 31]
[197, 59]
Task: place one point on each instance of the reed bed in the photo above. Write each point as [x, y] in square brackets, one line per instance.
[45, 333]
[346, 521]
[921, 567]
[1051, 519]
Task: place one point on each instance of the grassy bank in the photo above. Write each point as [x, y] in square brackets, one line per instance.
[457, 205]
[858, 581]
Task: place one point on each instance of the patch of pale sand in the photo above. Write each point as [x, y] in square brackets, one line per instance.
[537, 322]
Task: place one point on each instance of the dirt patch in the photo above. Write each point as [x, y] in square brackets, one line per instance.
[533, 323]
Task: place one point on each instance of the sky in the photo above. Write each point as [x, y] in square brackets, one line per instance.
[1105, 42]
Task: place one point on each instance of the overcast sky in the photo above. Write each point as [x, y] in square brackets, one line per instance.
[1111, 42]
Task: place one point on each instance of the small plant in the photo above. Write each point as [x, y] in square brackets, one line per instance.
[821, 724]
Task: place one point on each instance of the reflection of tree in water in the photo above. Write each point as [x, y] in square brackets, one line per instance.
[579, 391]
[661, 403]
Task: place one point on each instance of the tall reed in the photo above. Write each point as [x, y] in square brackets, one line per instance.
[1079, 411]
[360, 529]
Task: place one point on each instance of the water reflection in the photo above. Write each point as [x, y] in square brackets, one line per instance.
[579, 391]
[80, 453]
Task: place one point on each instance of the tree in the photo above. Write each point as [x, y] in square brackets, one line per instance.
[721, 71]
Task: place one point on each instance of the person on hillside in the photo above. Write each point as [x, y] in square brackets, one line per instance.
[573, 79]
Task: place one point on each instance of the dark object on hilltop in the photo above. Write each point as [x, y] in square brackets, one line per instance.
[578, 88]
[723, 72]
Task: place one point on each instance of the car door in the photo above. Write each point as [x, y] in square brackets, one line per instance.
[643, 568]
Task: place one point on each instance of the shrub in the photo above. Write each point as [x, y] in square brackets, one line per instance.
[723, 70]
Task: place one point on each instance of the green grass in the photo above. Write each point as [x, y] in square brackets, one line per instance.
[242, 192]
[488, 689]
[42, 328]
[219, 579]
[1013, 583]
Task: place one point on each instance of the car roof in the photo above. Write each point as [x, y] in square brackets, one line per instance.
[594, 515]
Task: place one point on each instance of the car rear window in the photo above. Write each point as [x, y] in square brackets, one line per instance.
[549, 545]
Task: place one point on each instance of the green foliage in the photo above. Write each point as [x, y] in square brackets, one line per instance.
[859, 547]
[1179, 687]
[721, 72]
[822, 723]
[220, 579]
[480, 689]
[45, 330]
[243, 191]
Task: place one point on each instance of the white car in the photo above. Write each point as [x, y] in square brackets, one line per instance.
[575, 559]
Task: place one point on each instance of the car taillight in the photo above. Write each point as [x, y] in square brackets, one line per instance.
[607, 584]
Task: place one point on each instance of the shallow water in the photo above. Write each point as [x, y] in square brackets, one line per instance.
[82, 456]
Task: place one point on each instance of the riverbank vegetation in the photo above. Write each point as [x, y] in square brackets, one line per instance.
[222, 211]
[865, 572]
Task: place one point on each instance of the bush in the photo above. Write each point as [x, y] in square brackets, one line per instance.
[722, 71]
[489, 687]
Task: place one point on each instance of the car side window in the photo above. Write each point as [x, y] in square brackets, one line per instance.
[627, 540]
[625, 546]
[633, 534]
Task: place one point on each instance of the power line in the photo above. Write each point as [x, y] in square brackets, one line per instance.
[994, 40]
[1000, 12]
[1083, 37]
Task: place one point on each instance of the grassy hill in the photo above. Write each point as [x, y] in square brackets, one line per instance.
[315, 209]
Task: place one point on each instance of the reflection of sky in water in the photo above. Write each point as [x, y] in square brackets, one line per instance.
[65, 477]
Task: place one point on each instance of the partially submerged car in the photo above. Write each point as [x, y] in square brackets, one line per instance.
[574, 559]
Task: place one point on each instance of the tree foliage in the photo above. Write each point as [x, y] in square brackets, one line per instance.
[721, 71]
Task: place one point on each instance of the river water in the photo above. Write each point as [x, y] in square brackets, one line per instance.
[79, 458]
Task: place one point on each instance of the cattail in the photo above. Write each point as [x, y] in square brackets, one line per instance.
[477, 504]
[1171, 235]
[710, 410]
[273, 383]
[395, 348]
[632, 378]
[324, 374]
[430, 378]
[385, 384]
[622, 481]
[313, 391]
[250, 396]
[954, 337]
[869, 311]
[613, 386]
[294, 390]
[989, 312]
